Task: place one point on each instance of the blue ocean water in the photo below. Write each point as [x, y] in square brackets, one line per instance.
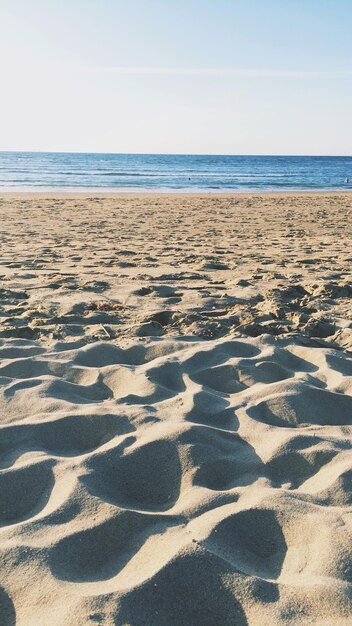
[160, 172]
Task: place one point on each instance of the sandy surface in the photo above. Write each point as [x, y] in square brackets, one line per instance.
[176, 411]
[113, 267]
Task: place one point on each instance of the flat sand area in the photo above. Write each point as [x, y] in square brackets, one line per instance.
[176, 411]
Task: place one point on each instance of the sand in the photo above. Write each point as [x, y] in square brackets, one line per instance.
[176, 411]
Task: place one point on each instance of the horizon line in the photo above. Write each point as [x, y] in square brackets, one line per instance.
[187, 154]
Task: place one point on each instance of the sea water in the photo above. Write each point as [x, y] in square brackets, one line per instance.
[163, 172]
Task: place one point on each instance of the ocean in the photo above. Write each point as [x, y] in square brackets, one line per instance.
[30, 171]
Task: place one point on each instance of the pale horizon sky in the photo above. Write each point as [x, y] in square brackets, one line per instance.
[196, 76]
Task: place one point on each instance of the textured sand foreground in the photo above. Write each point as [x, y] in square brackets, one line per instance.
[176, 411]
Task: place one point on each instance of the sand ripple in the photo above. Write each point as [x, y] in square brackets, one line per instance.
[175, 482]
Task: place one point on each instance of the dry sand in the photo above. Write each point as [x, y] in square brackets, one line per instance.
[176, 412]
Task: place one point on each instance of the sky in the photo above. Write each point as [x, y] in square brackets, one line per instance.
[176, 76]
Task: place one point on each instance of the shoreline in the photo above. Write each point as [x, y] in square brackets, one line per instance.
[86, 194]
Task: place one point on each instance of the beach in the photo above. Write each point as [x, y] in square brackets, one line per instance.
[176, 380]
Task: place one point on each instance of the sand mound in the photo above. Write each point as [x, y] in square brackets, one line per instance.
[175, 482]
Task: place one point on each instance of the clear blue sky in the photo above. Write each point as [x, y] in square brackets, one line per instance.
[189, 76]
